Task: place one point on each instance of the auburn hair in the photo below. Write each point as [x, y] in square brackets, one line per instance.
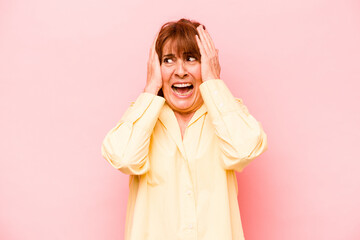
[181, 35]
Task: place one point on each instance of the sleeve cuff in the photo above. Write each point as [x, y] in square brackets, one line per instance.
[145, 110]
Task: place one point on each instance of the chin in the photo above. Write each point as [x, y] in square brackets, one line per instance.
[185, 105]
[182, 105]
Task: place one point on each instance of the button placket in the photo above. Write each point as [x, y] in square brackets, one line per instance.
[190, 217]
[189, 208]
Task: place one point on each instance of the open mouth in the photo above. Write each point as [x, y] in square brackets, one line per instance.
[182, 89]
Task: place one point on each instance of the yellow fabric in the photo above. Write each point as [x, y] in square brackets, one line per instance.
[184, 189]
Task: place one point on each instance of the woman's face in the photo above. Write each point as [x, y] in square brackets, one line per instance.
[181, 77]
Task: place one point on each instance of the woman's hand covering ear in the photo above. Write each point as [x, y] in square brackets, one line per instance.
[154, 79]
[210, 66]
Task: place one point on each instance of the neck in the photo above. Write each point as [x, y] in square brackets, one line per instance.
[183, 118]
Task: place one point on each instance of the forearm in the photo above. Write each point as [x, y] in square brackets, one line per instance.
[126, 146]
[241, 137]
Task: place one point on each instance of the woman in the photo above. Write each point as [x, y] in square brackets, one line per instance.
[182, 141]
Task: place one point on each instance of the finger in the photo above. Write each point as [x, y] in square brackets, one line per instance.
[201, 40]
[204, 40]
[152, 49]
[200, 45]
[210, 40]
[156, 57]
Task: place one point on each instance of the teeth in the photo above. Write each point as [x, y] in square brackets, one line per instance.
[182, 94]
[179, 85]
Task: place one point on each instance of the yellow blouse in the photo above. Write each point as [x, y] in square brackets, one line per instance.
[184, 189]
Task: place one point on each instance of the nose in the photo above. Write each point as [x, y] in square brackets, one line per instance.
[180, 69]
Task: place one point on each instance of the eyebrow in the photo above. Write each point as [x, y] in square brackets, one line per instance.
[169, 55]
[173, 55]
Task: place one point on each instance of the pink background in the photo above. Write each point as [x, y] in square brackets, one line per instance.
[70, 68]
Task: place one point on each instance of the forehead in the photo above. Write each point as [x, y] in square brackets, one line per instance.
[170, 46]
[177, 47]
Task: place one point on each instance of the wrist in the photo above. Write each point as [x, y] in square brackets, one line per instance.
[151, 89]
[210, 77]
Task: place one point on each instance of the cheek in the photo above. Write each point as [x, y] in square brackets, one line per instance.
[197, 73]
[165, 74]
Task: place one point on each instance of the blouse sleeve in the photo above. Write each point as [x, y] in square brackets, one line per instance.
[241, 136]
[126, 146]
